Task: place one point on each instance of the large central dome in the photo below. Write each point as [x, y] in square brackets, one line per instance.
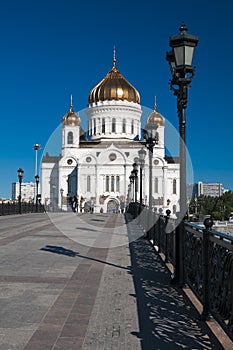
[114, 87]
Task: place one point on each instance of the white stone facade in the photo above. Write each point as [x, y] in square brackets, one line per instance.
[95, 169]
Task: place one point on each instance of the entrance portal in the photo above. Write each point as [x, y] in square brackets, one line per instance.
[113, 206]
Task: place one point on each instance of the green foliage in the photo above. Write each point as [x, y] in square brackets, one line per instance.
[218, 207]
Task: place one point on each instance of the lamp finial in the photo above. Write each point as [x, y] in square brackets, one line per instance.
[183, 28]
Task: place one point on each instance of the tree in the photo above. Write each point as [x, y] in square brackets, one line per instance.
[219, 208]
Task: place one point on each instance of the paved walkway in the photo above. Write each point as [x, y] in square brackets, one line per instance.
[58, 294]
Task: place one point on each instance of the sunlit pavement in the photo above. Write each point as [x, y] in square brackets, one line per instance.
[62, 287]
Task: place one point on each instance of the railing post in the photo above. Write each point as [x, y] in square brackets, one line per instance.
[205, 268]
[179, 255]
[158, 233]
[153, 227]
[168, 212]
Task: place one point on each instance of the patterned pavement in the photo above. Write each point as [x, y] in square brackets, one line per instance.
[59, 294]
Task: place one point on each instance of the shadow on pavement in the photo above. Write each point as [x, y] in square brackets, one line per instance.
[72, 253]
[167, 319]
[59, 250]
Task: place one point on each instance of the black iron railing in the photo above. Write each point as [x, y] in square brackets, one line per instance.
[14, 208]
[207, 260]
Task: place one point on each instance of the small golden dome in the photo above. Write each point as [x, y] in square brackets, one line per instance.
[114, 87]
[156, 117]
[71, 118]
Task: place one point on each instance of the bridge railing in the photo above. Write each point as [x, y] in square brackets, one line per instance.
[207, 260]
[10, 208]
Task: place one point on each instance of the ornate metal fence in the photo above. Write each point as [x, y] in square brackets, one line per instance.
[209, 272]
[14, 208]
[207, 260]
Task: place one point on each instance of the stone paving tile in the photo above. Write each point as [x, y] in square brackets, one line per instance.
[73, 343]
[114, 315]
[97, 299]
[18, 337]
[71, 305]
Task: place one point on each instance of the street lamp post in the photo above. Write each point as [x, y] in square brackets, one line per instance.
[53, 197]
[180, 60]
[61, 192]
[152, 138]
[20, 176]
[131, 179]
[142, 156]
[37, 178]
[36, 148]
[135, 171]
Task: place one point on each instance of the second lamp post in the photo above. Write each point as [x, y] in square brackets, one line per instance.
[20, 176]
[142, 156]
[152, 138]
[135, 173]
[37, 178]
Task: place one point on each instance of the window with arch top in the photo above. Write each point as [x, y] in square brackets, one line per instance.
[94, 126]
[88, 183]
[174, 186]
[107, 183]
[113, 124]
[124, 126]
[174, 209]
[132, 127]
[70, 137]
[103, 126]
[156, 184]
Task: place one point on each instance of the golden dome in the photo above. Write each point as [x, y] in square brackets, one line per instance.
[114, 87]
[156, 117]
[71, 118]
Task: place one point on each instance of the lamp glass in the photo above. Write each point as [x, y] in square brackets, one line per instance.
[142, 155]
[183, 55]
[135, 167]
[151, 132]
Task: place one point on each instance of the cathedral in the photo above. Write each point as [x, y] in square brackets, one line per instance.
[92, 172]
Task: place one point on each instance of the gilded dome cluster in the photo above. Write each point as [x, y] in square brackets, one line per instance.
[156, 117]
[114, 87]
[71, 118]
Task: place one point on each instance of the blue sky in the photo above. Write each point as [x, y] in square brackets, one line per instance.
[53, 48]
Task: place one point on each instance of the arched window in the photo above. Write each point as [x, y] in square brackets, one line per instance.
[174, 209]
[103, 126]
[132, 127]
[113, 124]
[112, 183]
[174, 186]
[70, 138]
[118, 184]
[88, 183]
[94, 126]
[107, 183]
[156, 189]
[123, 126]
